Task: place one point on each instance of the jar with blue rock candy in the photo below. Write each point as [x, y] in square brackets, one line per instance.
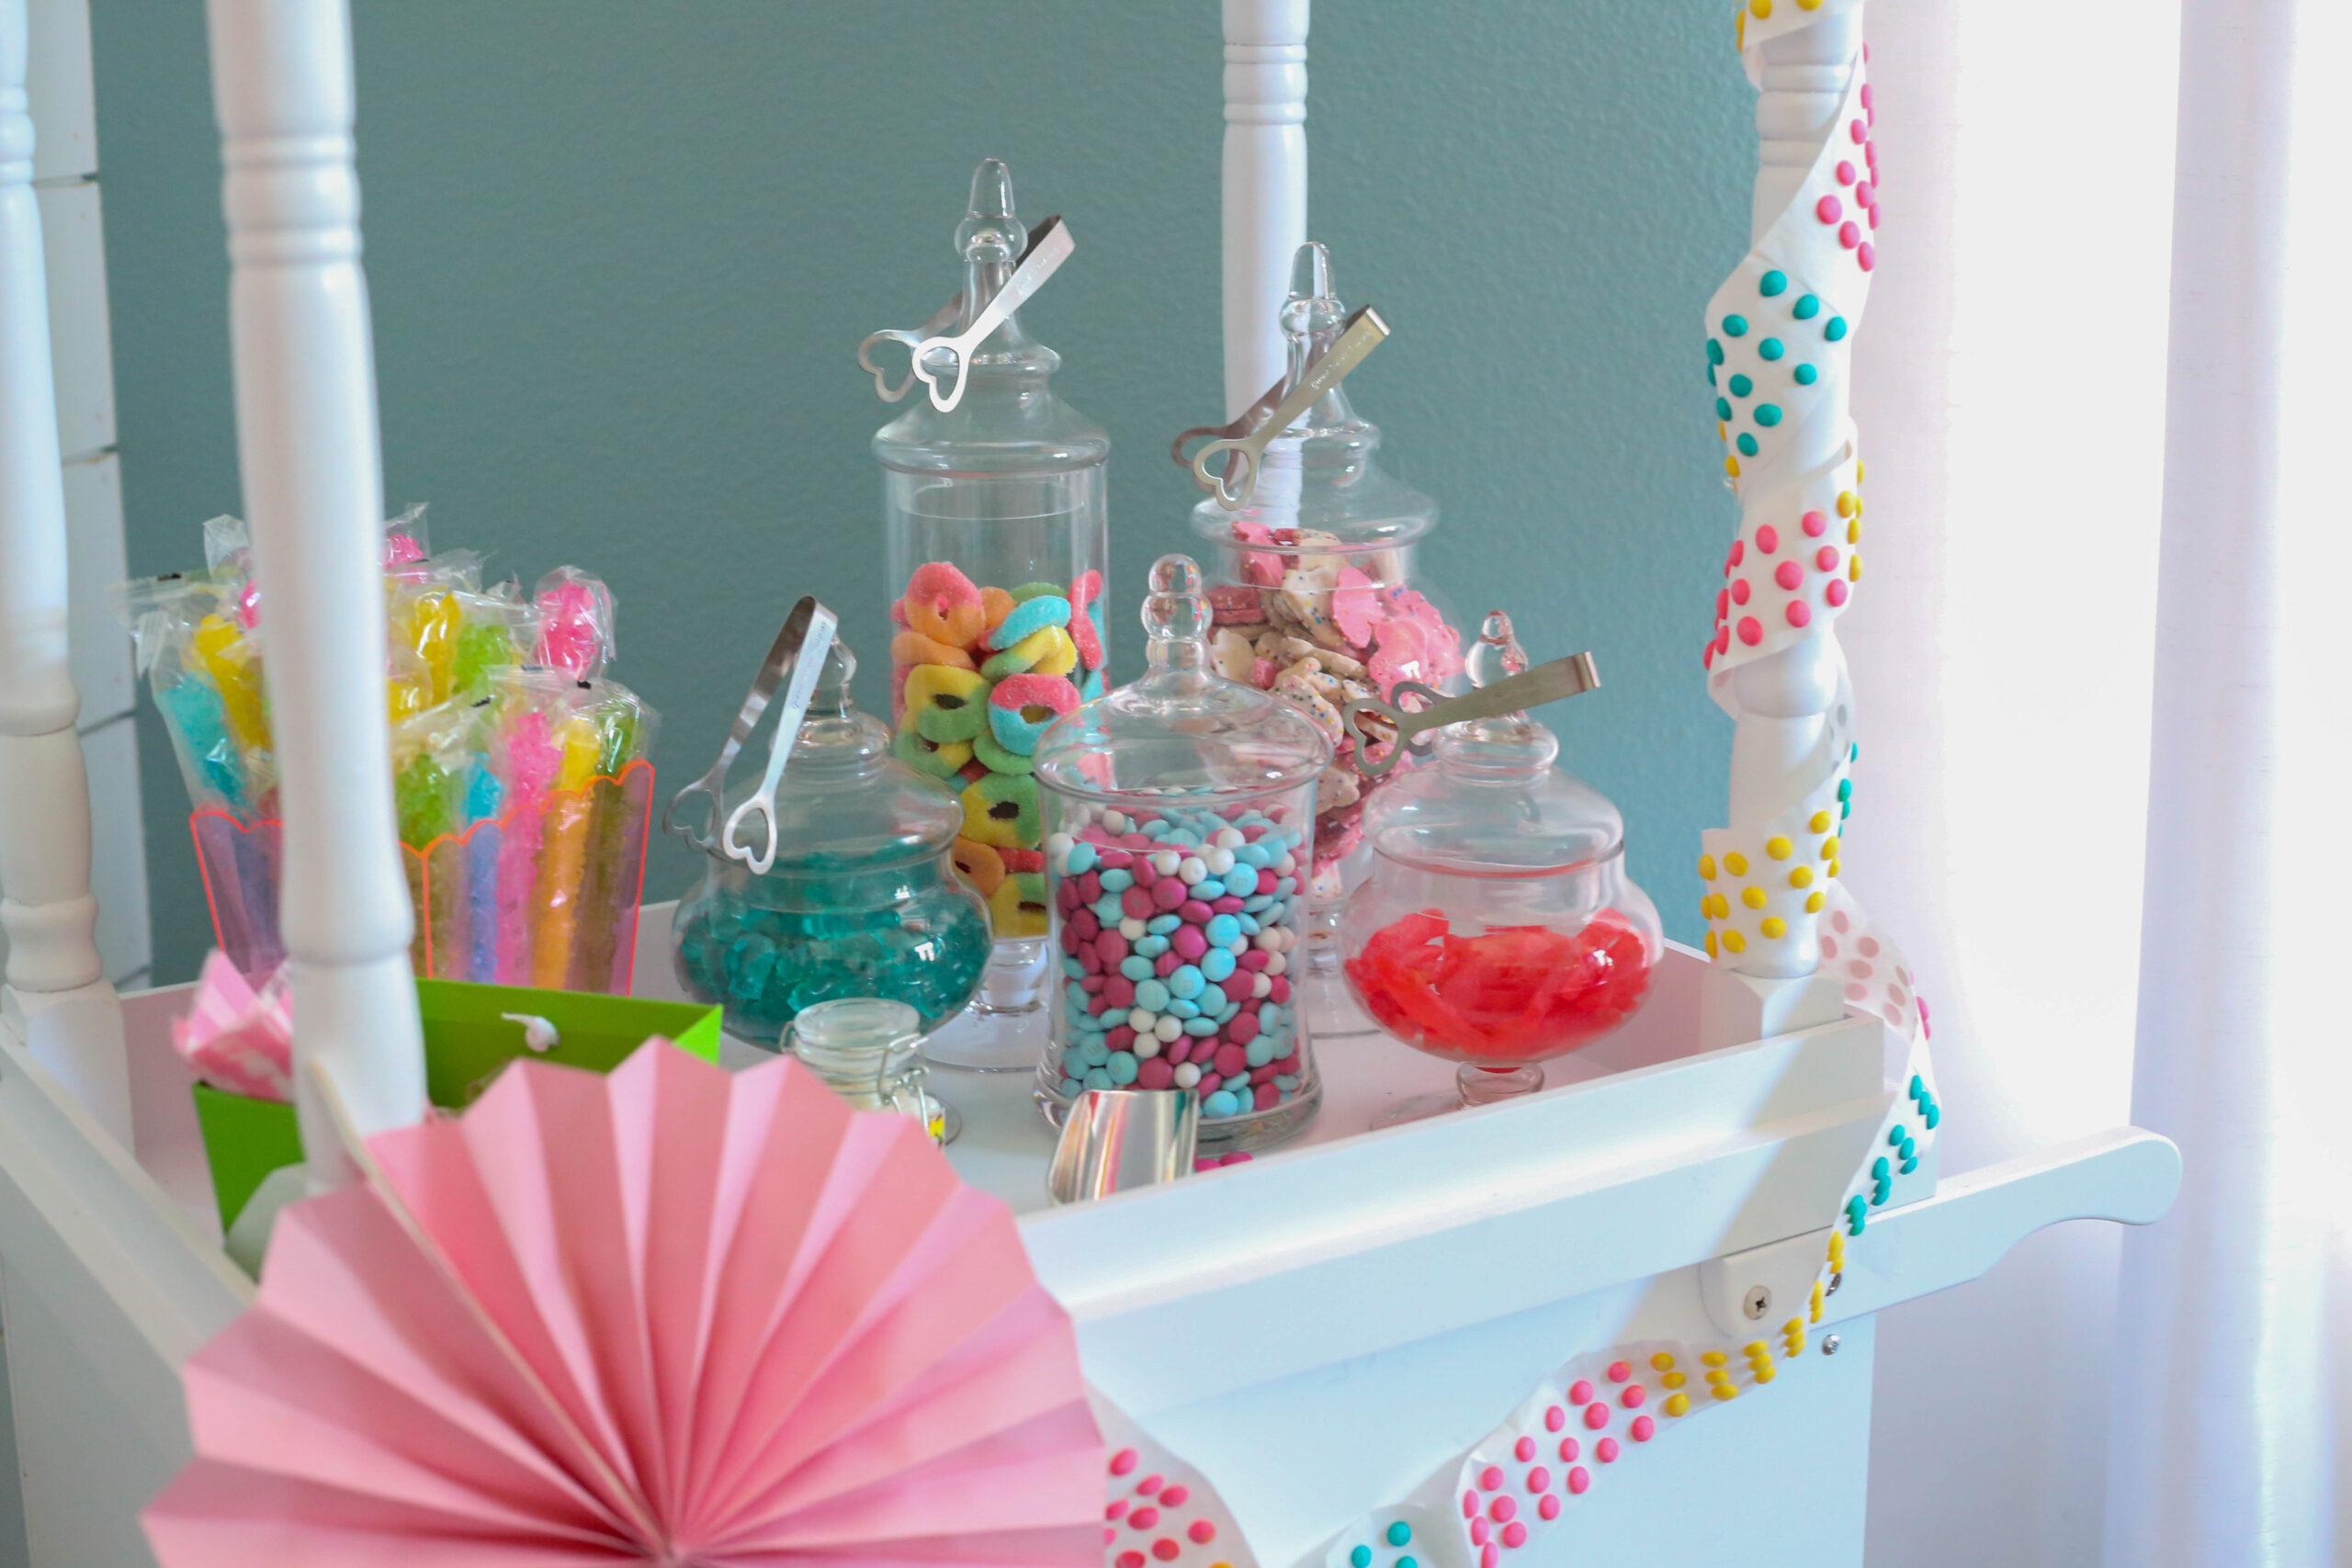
[1180, 822]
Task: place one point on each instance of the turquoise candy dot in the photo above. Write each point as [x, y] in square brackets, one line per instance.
[1710, 381]
[1200, 1027]
[1807, 307]
[1360, 1557]
[1741, 385]
[1118, 881]
[1845, 810]
[1151, 996]
[1918, 1086]
[1845, 789]
[1221, 930]
[1150, 947]
[1714, 351]
[1934, 1114]
[1879, 1169]
[1747, 445]
[1407, 1563]
[1722, 408]
[1121, 1067]
[1399, 1533]
[1221, 1103]
[1082, 859]
[1770, 348]
[1854, 751]
[1217, 964]
[1772, 283]
[1836, 329]
[1099, 1077]
[1895, 1137]
[1768, 414]
[1909, 1166]
[1135, 969]
[1735, 326]
[1807, 374]
[1241, 880]
[1160, 925]
[1186, 981]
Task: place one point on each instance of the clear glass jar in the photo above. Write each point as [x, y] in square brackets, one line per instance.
[995, 519]
[869, 1052]
[1180, 821]
[1497, 928]
[1316, 587]
[863, 898]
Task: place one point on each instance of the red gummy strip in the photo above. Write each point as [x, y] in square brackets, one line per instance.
[1506, 996]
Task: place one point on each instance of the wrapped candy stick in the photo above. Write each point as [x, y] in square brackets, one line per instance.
[484, 794]
[625, 727]
[232, 660]
[533, 760]
[569, 813]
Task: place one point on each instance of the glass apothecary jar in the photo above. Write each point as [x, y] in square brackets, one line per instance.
[862, 900]
[1497, 928]
[994, 516]
[1180, 822]
[869, 1052]
[1316, 585]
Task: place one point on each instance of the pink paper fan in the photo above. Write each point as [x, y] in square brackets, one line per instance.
[671, 1315]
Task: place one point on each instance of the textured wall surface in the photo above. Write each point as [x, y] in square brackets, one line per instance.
[621, 256]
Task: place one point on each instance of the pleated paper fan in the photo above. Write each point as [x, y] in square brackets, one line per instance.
[668, 1315]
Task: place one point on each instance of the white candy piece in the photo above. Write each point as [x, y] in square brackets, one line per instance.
[1117, 821]
[1132, 929]
[1188, 1076]
[1059, 845]
[1277, 965]
[1143, 1020]
[1260, 985]
[1192, 870]
[1146, 1047]
[1229, 838]
[1167, 1029]
[1268, 940]
[1218, 860]
[1165, 862]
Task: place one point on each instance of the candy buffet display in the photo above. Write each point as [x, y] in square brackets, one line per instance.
[854, 891]
[1179, 814]
[994, 519]
[1315, 572]
[1497, 927]
[520, 772]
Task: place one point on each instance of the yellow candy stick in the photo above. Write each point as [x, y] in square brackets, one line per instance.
[564, 854]
[433, 632]
[228, 658]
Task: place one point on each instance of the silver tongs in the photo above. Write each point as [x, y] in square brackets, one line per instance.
[1545, 683]
[1049, 246]
[1246, 437]
[800, 649]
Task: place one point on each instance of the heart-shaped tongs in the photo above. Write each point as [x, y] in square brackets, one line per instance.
[800, 649]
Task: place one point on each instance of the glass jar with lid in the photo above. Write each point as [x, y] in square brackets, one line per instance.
[869, 1051]
[1316, 581]
[1180, 822]
[862, 898]
[1497, 928]
[994, 514]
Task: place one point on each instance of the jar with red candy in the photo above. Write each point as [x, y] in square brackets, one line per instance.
[1497, 928]
[1317, 584]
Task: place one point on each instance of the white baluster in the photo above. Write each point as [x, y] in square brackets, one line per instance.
[55, 986]
[1265, 185]
[308, 455]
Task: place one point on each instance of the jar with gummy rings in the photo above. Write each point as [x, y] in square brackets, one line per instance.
[1317, 588]
[1180, 821]
[994, 516]
[862, 898]
[1497, 928]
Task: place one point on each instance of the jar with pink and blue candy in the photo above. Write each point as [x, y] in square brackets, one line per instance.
[1178, 815]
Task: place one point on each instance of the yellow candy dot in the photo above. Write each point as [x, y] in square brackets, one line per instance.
[1736, 863]
[1808, 4]
[1778, 848]
[1752, 896]
[1756, 1347]
[1801, 877]
[1830, 848]
[1717, 1379]
[1715, 1358]
[1716, 907]
[1762, 8]
[1833, 868]
[1764, 1374]
[1673, 1380]
[1711, 944]
[1794, 1327]
[1845, 503]
[1774, 927]
[1720, 433]
[1725, 1391]
[1817, 1294]
[1860, 469]
[1853, 533]
[1854, 569]
[1707, 863]
[1814, 902]
[1679, 1404]
[1731, 467]
[1738, 943]
[1662, 1362]
[1821, 823]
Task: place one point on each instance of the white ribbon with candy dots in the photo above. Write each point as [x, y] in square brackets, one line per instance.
[238, 1039]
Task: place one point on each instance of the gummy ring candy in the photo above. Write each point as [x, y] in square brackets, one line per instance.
[1030, 615]
[995, 605]
[1048, 650]
[1088, 638]
[913, 647]
[973, 772]
[1029, 591]
[944, 606]
[1017, 908]
[946, 703]
[938, 760]
[1024, 859]
[978, 864]
[1023, 706]
[1000, 810]
[996, 759]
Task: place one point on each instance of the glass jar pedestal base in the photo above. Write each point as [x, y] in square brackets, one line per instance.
[1472, 1086]
[997, 1033]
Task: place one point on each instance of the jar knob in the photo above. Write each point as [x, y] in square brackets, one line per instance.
[1176, 615]
[990, 233]
[1495, 656]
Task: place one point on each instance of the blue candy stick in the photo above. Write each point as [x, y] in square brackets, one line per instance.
[483, 795]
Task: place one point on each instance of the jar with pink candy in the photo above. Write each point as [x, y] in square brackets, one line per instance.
[1316, 585]
[1178, 815]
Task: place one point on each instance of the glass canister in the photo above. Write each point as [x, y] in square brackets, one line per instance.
[1315, 582]
[869, 1052]
[1497, 928]
[995, 514]
[1180, 822]
[862, 898]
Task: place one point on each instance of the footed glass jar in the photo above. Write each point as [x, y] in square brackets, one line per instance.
[994, 517]
[863, 898]
[1315, 582]
[1180, 822]
[1497, 928]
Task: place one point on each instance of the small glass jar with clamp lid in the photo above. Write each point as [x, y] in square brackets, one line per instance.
[1180, 822]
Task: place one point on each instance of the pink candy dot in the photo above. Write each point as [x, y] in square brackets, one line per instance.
[1866, 101]
[1855, 992]
[1524, 1449]
[1490, 1477]
[1580, 1391]
[1149, 1484]
[1740, 592]
[1166, 1550]
[1479, 1531]
[1842, 920]
[1828, 208]
[1845, 174]
[1568, 1450]
[1893, 1014]
[1788, 574]
[1723, 640]
[1202, 1533]
[1738, 549]
[1632, 1398]
[1549, 1507]
[1836, 592]
[1514, 1534]
[1799, 613]
[1116, 1507]
[1502, 1510]
[1828, 946]
[1130, 1559]
[1814, 523]
[1867, 947]
[1124, 1460]
[1175, 1497]
[1849, 234]
[1826, 559]
[1578, 1480]
[1469, 1505]
[1859, 131]
[1866, 257]
[1554, 1419]
[1644, 1428]
[1620, 1371]
[1751, 632]
[1539, 1480]
[1143, 1518]
[1490, 1556]
[1596, 1416]
[1767, 538]
[1605, 1450]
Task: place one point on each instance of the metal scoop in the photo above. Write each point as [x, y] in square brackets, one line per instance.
[1233, 487]
[1118, 1138]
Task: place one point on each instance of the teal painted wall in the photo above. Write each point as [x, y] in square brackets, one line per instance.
[621, 255]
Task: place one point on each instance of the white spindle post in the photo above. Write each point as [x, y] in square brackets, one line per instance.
[308, 455]
[55, 986]
[1265, 185]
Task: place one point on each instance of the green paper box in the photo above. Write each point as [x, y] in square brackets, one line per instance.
[466, 1043]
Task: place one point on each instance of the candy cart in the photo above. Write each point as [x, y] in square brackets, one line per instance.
[1534, 1332]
